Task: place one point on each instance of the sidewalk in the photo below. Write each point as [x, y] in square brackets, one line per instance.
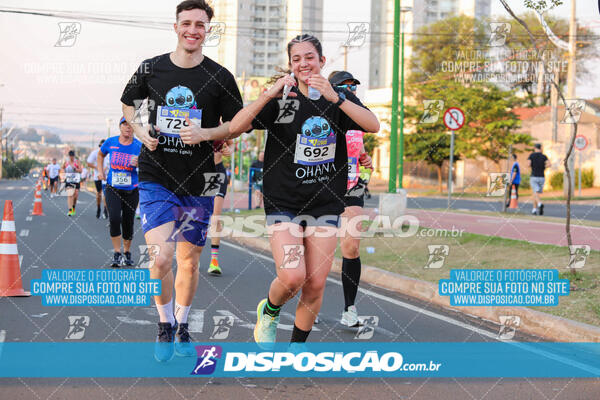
[508, 227]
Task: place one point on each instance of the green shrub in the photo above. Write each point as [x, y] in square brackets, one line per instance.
[19, 168]
[556, 180]
[587, 178]
[525, 181]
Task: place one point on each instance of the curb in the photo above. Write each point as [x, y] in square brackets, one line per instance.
[533, 322]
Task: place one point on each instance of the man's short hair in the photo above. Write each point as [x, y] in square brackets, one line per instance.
[538, 146]
[192, 5]
[514, 156]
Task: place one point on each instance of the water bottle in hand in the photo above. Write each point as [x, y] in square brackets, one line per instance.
[313, 93]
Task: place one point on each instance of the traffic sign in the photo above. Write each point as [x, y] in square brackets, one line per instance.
[581, 142]
[454, 118]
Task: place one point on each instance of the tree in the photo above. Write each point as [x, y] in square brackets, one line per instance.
[371, 142]
[489, 130]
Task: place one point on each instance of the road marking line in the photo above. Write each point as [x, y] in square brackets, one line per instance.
[24, 232]
[127, 320]
[29, 218]
[2, 339]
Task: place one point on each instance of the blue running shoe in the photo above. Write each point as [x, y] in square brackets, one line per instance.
[183, 342]
[164, 348]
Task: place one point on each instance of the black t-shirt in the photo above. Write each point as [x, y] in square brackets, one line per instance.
[538, 164]
[303, 173]
[208, 92]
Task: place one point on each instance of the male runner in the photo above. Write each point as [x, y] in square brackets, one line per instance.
[91, 161]
[191, 94]
[53, 171]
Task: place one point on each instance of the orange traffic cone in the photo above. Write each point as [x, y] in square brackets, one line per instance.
[37, 202]
[514, 203]
[10, 271]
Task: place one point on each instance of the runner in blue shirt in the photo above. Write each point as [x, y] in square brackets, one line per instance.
[121, 191]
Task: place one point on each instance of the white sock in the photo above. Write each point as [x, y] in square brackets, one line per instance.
[181, 313]
[165, 312]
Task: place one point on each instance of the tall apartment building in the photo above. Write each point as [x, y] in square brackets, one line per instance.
[423, 12]
[257, 31]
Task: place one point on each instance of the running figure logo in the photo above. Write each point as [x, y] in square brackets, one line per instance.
[143, 107]
[367, 329]
[68, 34]
[579, 254]
[573, 110]
[223, 323]
[498, 184]
[77, 325]
[499, 33]
[508, 326]
[437, 255]
[148, 255]
[433, 110]
[287, 110]
[214, 34]
[185, 219]
[212, 183]
[357, 34]
[207, 359]
[292, 254]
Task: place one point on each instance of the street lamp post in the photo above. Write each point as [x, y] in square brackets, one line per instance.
[401, 150]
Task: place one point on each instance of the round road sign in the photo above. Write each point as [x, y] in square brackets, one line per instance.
[454, 118]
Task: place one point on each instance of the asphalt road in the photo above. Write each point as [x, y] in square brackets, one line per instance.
[578, 211]
[57, 241]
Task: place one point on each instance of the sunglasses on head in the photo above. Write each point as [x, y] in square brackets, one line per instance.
[349, 87]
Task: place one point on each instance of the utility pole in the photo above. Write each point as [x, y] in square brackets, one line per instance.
[571, 95]
[394, 123]
[554, 105]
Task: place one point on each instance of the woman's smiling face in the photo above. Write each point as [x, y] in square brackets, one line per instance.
[305, 60]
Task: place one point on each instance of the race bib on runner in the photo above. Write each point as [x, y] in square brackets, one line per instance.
[352, 167]
[72, 177]
[171, 120]
[313, 151]
[121, 179]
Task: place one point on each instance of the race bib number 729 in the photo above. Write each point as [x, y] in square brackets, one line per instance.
[171, 120]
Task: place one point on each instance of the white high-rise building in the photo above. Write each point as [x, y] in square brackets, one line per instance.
[257, 31]
[423, 12]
